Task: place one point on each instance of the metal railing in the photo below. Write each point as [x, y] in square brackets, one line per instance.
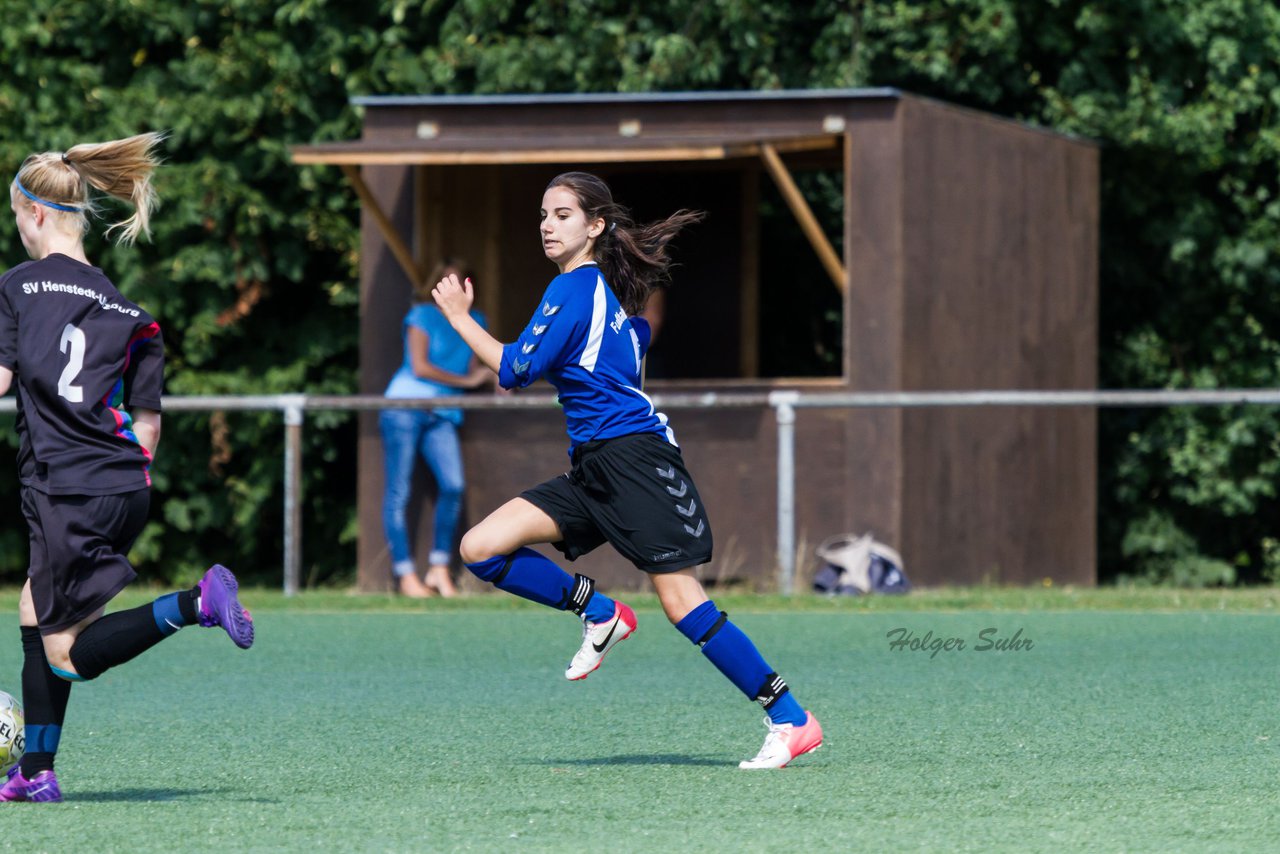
[293, 409]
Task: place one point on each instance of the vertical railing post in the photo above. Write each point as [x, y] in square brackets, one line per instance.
[293, 415]
[783, 403]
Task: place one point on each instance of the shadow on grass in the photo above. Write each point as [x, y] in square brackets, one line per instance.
[156, 796]
[638, 759]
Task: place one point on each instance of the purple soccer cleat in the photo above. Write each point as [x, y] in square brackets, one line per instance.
[220, 607]
[43, 789]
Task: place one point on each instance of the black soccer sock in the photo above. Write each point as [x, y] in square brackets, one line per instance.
[116, 638]
[188, 604]
[44, 702]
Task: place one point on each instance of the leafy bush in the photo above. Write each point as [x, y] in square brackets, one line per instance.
[253, 268]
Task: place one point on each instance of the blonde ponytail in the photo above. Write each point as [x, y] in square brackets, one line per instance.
[120, 168]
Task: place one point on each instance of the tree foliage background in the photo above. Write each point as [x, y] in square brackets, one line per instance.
[252, 271]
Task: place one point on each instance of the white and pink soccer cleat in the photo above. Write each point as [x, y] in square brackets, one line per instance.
[598, 639]
[785, 742]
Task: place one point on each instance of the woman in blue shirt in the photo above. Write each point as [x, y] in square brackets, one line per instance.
[437, 363]
[628, 485]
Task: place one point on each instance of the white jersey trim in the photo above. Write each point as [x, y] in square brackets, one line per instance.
[595, 337]
[662, 418]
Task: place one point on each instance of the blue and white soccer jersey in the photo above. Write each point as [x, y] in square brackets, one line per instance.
[584, 343]
[628, 485]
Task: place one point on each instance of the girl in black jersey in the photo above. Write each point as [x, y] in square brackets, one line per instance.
[89, 369]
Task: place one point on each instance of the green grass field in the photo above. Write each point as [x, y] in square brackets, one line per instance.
[1136, 721]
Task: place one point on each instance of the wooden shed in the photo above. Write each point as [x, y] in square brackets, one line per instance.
[968, 260]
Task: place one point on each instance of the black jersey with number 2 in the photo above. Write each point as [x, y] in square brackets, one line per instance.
[84, 357]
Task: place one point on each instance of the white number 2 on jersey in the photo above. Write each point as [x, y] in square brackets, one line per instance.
[73, 337]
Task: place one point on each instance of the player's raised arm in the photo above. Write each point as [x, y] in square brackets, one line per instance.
[454, 300]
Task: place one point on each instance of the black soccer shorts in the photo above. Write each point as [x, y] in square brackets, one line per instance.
[634, 493]
[78, 548]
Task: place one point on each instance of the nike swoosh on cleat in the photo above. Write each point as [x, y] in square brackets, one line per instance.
[599, 647]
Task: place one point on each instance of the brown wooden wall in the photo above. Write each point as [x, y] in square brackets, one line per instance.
[971, 244]
[999, 292]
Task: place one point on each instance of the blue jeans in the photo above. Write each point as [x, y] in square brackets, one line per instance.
[405, 434]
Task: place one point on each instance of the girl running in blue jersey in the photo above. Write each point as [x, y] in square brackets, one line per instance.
[89, 365]
[628, 485]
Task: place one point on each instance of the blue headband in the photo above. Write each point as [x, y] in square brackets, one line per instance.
[39, 201]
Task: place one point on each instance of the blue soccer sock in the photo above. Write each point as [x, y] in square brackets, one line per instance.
[529, 575]
[173, 611]
[734, 655]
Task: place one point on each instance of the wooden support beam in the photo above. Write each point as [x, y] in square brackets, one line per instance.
[399, 248]
[804, 215]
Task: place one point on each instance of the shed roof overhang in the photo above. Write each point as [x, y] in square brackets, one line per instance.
[532, 143]
[484, 151]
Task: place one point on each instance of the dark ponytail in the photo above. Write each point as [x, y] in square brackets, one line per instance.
[632, 257]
